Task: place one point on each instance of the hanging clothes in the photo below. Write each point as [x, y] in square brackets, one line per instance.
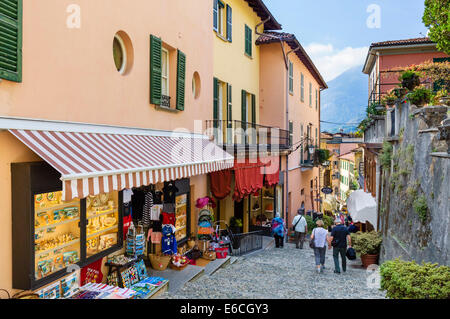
[147, 209]
[170, 191]
[168, 241]
[127, 194]
[221, 183]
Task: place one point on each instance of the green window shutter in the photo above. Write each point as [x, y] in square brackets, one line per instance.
[248, 41]
[302, 88]
[215, 15]
[229, 106]
[291, 77]
[291, 133]
[229, 24]
[244, 106]
[155, 70]
[216, 102]
[253, 109]
[11, 40]
[181, 79]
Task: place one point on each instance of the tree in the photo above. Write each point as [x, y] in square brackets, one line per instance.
[436, 18]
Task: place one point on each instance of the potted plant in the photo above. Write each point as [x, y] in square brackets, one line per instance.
[368, 245]
[390, 98]
[410, 79]
[441, 98]
[399, 92]
[236, 225]
[420, 96]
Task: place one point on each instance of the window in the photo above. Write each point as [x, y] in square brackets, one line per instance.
[316, 136]
[165, 72]
[310, 94]
[302, 88]
[291, 132]
[11, 40]
[160, 73]
[317, 99]
[291, 77]
[248, 41]
[302, 192]
[220, 19]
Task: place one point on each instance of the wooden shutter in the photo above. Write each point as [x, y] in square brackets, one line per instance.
[229, 23]
[248, 41]
[229, 106]
[244, 106]
[253, 109]
[302, 89]
[291, 132]
[181, 79]
[11, 40]
[291, 77]
[215, 15]
[216, 102]
[155, 69]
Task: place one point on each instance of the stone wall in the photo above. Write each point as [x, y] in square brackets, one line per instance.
[415, 206]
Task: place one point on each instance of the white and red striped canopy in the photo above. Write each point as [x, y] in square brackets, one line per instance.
[94, 162]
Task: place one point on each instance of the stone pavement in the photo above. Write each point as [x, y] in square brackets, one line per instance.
[275, 273]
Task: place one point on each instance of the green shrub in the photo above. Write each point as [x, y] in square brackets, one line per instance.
[421, 207]
[420, 96]
[386, 155]
[311, 223]
[408, 280]
[367, 243]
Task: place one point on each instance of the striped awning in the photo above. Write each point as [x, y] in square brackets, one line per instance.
[91, 163]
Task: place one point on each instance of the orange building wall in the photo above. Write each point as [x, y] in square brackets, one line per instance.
[273, 113]
[69, 74]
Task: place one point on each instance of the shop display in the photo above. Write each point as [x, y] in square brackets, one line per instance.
[141, 269]
[129, 277]
[181, 217]
[135, 243]
[56, 233]
[102, 291]
[52, 291]
[262, 209]
[168, 241]
[58, 228]
[69, 285]
[205, 224]
[102, 223]
[147, 287]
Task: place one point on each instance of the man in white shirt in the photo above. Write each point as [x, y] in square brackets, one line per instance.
[300, 228]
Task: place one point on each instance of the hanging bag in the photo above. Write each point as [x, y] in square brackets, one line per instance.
[311, 241]
[298, 221]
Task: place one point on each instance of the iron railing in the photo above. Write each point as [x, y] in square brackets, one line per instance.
[248, 135]
[246, 243]
[380, 87]
[306, 158]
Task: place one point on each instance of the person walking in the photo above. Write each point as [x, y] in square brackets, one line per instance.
[278, 230]
[300, 228]
[338, 239]
[320, 236]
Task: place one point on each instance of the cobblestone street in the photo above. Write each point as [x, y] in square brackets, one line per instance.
[280, 273]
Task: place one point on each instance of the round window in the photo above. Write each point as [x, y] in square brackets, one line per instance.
[122, 52]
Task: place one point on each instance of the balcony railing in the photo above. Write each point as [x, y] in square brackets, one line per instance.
[308, 158]
[246, 135]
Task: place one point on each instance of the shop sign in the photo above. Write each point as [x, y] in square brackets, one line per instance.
[327, 190]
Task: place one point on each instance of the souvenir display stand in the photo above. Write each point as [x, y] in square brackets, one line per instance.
[49, 234]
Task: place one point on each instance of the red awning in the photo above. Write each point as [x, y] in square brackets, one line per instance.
[249, 177]
[272, 171]
[111, 159]
[221, 183]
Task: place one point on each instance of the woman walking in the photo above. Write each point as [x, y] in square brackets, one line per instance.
[278, 230]
[320, 237]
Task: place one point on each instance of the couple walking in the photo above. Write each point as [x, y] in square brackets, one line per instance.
[320, 239]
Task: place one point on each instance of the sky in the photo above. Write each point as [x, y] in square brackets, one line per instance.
[337, 33]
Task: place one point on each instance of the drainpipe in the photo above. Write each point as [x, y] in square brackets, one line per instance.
[286, 63]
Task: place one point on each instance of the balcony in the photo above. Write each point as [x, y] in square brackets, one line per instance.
[308, 154]
[244, 136]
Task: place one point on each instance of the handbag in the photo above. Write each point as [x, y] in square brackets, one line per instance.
[351, 254]
[293, 227]
[311, 242]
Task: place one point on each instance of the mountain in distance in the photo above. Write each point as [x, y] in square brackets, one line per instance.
[345, 101]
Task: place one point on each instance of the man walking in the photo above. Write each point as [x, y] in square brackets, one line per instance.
[300, 228]
[338, 239]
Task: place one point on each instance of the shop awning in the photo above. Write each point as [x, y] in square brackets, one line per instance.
[99, 159]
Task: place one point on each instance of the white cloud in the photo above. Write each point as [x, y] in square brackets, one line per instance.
[332, 62]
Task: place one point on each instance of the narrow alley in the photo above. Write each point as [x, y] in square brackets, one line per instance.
[286, 273]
